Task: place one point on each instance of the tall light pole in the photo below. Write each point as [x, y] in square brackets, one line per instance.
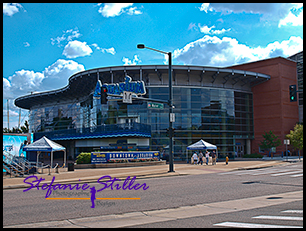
[170, 103]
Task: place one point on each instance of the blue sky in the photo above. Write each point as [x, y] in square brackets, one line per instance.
[44, 44]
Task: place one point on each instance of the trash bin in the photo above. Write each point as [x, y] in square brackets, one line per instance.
[70, 166]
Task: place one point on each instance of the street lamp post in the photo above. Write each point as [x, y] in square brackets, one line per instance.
[170, 103]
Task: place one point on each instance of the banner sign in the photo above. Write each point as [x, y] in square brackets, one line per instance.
[104, 157]
[136, 87]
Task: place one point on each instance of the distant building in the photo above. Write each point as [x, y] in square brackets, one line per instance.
[272, 107]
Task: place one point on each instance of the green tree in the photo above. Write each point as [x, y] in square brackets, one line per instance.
[296, 137]
[25, 127]
[270, 141]
[22, 129]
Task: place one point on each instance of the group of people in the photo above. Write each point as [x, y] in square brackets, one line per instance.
[199, 158]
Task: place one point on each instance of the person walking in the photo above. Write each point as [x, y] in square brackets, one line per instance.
[195, 158]
[214, 157]
[201, 157]
[207, 157]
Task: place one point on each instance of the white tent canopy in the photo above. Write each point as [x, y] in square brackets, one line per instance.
[200, 145]
[45, 145]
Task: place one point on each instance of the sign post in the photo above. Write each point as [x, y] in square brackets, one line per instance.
[287, 142]
[127, 97]
[172, 117]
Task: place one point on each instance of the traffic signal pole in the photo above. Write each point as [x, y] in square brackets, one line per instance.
[293, 93]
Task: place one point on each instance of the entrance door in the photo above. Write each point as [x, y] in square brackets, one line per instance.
[239, 152]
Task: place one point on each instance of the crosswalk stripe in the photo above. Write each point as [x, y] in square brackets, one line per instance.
[263, 172]
[279, 218]
[287, 173]
[273, 171]
[252, 225]
[297, 175]
[235, 172]
[292, 211]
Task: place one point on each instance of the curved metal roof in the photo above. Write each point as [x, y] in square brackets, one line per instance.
[83, 83]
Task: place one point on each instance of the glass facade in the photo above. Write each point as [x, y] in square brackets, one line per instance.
[216, 115]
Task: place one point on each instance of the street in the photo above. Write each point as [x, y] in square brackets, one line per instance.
[266, 196]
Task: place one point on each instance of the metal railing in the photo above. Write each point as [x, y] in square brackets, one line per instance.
[16, 166]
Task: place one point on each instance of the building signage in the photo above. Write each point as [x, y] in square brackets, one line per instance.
[104, 157]
[136, 87]
[97, 92]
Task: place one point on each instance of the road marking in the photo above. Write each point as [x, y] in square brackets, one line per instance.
[273, 171]
[239, 172]
[252, 225]
[292, 211]
[279, 218]
[297, 175]
[256, 172]
[287, 173]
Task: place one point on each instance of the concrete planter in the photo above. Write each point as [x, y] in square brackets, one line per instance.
[119, 165]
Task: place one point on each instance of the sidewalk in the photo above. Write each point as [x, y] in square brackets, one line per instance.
[92, 175]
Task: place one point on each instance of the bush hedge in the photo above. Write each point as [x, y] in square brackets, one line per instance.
[253, 155]
[84, 158]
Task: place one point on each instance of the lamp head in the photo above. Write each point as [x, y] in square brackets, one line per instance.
[140, 46]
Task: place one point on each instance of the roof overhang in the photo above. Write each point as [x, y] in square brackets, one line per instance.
[83, 83]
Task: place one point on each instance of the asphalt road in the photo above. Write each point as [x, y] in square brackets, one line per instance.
[165, 192]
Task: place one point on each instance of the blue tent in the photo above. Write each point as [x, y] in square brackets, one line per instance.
[45, 145]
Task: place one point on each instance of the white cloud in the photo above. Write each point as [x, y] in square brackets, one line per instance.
[278, 12]
[205, 7]
[6, 88]
[11, 8]
[213, 51]
[67, 35]
[56, 75]
[23, 82]
[109, 50]
[209, 30]
[293, 19]
[76, 49]
[135, 60]
[103, 50]
[26, 44]
[6, 83]
[53, 77]
[115, 9]
[133, 10]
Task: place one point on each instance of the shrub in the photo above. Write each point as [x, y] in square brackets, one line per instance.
[84, 158]
[253, 155]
